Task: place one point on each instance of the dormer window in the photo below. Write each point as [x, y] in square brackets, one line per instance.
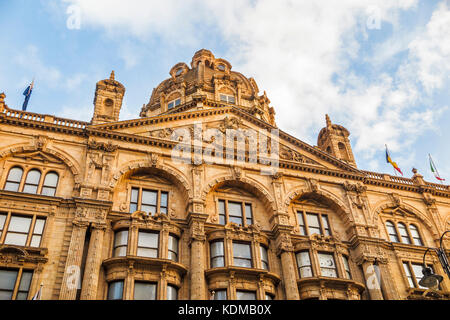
[221, 67]
[179, 71]
[227, 98]
[174, 103]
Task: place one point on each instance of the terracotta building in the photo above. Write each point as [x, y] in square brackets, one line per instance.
[108, 209]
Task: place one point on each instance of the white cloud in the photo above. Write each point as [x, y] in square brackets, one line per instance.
[295, 50]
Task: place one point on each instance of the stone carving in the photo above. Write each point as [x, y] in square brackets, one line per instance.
[102, 146]
[355, 187]
[233, 123]
[163, 134]
[39, 142]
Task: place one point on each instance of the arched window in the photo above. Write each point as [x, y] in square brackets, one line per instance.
[50, 183]
[403, 233]
[32, 181]
[14, 178]
[391, 231]
[415, 235]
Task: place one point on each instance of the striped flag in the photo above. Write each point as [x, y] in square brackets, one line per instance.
[434, 170]
[27, 94]
[389, 160]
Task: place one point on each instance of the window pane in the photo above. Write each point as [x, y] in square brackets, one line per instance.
[416, 236]
[220, 295]
[348, 275]
[177, 102]
[149, 197]
[7, 279]
[2, 220]
[408, 274]
[327, 265]
[313, 223]
[392, 232]
[15, 174]
[134, 195]
[235, 209]
[147, 253]
[39, 226]
[121, 238]
[149, 209]
[144, 291]
[30, 189]
[25, 281]
[16, 239]
[170, 106]
[301, 223]
[115, 291]
[120, 251]
[47, 191]
[403, 233]
[245, 295]
[304, 264]
[35, 241]
[223, 98]
[231, 99]
[163, 199]
[51, 180]
[222, 212]
[217, 262]
[264, 258]
[12, 186]
[19, 224]
[217, 249]
[241, 250]
[148, 239]
[33, 177]
[326, 225]
[172, 292]
[22, 296]
[173, 248]
[249, 214]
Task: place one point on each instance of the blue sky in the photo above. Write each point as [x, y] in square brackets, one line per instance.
[379, 69]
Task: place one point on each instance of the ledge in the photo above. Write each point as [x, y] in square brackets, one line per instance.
[135, 261]
[333, 283]
[249, 272]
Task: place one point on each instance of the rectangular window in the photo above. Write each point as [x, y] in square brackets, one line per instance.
[220, 294]
[304, 264]
[217, 254]
[36, 237]
[8, 280]
[2, 223]
[313, 223]
[18, 229]
[172, 292]
[227, 98]
[326, 226]
[348, 274]
[174, 103]
[115, 290]
[235, 212]
[242, 255]
[120, 244]
[148, 244]
[245, 295]
[149, 201]
[222, 212]
[327, 265]
[301, 223]
[264, 258]
[240, 213]
[414, 273]
[173, 248]
[144, 291]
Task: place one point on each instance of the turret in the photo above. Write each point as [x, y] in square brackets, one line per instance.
[108, 100]
[334, 140]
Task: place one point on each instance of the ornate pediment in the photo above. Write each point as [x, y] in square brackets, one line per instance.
[292, 155]
[39, 156]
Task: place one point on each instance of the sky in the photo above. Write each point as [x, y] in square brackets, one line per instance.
[379, 68]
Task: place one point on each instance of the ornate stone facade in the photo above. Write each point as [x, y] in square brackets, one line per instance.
[104, 210]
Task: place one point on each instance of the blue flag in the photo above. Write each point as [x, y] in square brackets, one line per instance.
[27, 94]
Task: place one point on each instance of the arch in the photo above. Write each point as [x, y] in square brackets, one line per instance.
[259, 190]
[71, 163]
[171, 173]
[391, 205]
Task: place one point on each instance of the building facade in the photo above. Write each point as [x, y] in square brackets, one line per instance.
[113, 209]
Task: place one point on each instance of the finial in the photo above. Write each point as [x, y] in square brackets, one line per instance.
[112, 77]
[2, 97]
[327, 117]
[414, 170]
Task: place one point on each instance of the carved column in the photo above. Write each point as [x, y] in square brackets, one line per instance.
[93, 263]
[197, 244]
[73, 263]
[285, 250]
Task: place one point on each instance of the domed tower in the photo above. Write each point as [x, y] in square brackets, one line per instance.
[334, 140]
[209, 78]
[108, 100]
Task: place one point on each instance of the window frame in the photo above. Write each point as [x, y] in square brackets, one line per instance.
[177, 247]
[264, 263]
[231, 99]
[399, 237]
[251, 259]
[155, 232]
[310, 265]
[147, 283]
[243, 203]
[174, 102]
[304, 212]
[31, 228]
[43, 171]
[211, 257]
[333, 256]
[140, 189]
[412, 274]
[114, 247]
[17, 283]
[109, 288]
